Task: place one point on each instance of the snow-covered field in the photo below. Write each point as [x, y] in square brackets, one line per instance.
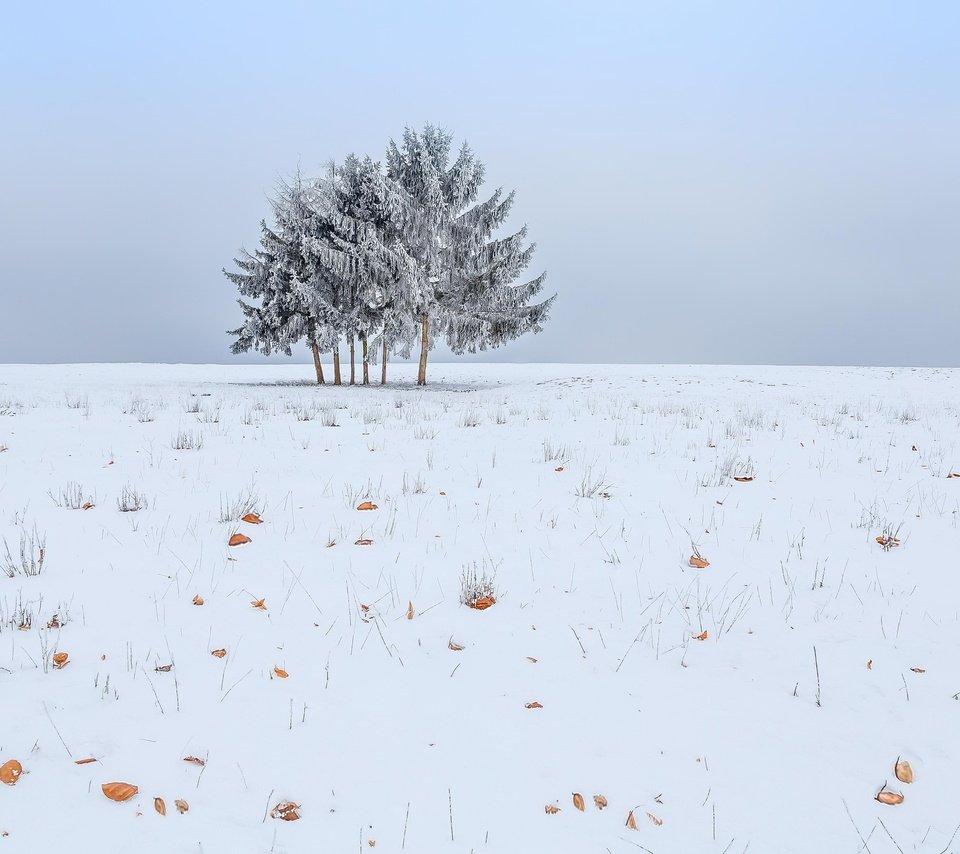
[583, 491]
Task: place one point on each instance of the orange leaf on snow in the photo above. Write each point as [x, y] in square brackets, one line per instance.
[195, 760]
[452, 644]
[86, 761]
[10, 772]
[218, 653]
[198, 600]
[160, 806]
[551, 809]
[286, 810]
[656, 821]
[890, 798]
[578, 801]
[280, 673]
[702, 636]
[367, 505]
[903, 771]
[743, 478]
[410, 611]
[251, 518]
[258, 603]
[364, 541]
[599, 801]
[181, 805]
[533, 705]
[86, 506]
[631, 821]
[60, 660]
[483, 603]
[698, 562]
[238, 540]
[119, 791]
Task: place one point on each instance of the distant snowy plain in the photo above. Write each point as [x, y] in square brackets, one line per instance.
[584, 491]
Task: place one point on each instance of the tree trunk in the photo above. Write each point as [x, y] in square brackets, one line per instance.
[353, 363]
[422, 373]
[383, 369]
[366, 363]
[316, 363]
[336, 364]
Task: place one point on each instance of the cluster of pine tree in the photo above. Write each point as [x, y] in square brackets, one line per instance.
[392, 255]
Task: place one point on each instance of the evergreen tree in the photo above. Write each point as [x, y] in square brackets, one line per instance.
[462, 281]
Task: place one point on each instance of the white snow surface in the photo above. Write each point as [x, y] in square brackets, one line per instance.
[383, 734]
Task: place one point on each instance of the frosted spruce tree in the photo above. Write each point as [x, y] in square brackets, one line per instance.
[461, 281]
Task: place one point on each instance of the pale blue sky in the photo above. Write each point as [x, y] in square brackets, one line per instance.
[729, 182]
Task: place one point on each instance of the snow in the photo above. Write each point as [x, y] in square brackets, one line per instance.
[381, 732]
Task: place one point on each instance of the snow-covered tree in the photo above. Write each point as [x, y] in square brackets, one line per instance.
[394, 256]
[462, 284]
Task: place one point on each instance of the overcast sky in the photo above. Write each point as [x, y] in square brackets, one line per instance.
[706, 182]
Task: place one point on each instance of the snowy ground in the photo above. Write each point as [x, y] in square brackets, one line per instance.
[582, 488]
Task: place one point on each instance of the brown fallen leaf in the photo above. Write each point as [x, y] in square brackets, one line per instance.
[54, 622]
[890, 798]
[702, 636]
[286, 810]
[698, 562]
[656, 821]
[551, 809]
[743, 478]
[251, 518]
[280, 673]
[410, 611]
[533, 705]
[119, 791]
[903, 771]
[918, 669]
[559, 468]
[599, 801]
[195, 760]
[218, 653]
[86, 506]
[870, 664]
[483, 603]
[367, 505]
[160, 806]
[631, 821]
[456, 647]
[258, 603]
[578, 801]
[531, 659]
[60, 660]
[163, 668]
[10, 772]
[86, 761]
[197, 600]
[181, 805]
[238, 540]
[364, 541]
